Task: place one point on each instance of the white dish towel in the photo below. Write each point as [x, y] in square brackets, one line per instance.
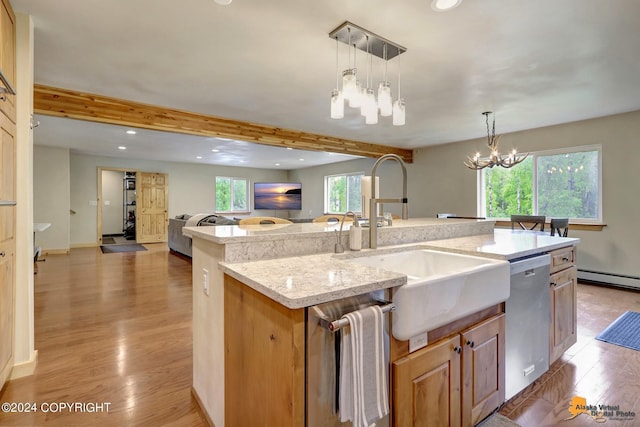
[363, 368]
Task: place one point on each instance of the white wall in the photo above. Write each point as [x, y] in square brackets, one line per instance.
[112, 202]
[51, 196]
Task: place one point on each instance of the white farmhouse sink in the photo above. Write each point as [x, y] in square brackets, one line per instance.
[441, 287]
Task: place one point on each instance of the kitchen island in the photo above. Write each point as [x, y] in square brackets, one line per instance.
[283, 270]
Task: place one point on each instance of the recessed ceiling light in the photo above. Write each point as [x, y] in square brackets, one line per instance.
[277, 164]
[131, 132]
[215, 150]
[302, 160]
[122, 147]
[242, 161]
[198, 157]
[223, 2]
[442, 5]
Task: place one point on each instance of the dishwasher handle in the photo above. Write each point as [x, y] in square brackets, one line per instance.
[529, 264]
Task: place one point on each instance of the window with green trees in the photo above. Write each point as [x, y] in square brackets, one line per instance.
[343, 193]
[558, 183]
[232, 194]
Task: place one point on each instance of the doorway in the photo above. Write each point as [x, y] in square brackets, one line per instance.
[117, 206]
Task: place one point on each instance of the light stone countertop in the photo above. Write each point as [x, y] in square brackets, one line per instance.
[303, 281]
[504, 244]
[298, 282]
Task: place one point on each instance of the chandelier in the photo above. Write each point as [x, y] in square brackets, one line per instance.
[361, 95]
[495, 158]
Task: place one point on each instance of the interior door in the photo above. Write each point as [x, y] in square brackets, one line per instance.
[152, 200]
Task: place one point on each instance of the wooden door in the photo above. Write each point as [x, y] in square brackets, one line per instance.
[482, 369]
[563, 294]
[152, 198]
[426, 386]
[7, 193]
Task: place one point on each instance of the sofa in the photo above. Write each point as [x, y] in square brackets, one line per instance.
[180, 243]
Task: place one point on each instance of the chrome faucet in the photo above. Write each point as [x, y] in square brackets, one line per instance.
[373, 206]
[339, 248]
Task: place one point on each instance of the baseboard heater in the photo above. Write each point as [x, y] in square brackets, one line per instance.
[614, 279]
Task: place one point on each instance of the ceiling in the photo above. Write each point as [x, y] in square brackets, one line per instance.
[533, 62]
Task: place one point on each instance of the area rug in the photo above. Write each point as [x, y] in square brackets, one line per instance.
[109, 249]
[624, 331]
[108, 241]
[497, 420]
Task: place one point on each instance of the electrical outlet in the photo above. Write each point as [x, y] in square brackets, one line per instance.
[205, 281]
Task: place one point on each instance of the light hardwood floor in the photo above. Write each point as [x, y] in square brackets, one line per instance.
[111, 328]
[117, 328]
[601, 373]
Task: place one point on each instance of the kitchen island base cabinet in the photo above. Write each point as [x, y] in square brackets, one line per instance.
[456, 381]
[264, 359]
[563, 329]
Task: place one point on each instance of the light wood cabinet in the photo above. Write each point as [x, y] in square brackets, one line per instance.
[563, 302]
[7, 193]
[456, 381]
[8, 56]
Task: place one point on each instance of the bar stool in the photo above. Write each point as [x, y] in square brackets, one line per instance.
[528, 222]
[560, 226]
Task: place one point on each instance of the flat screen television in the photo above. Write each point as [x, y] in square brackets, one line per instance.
[277, 195]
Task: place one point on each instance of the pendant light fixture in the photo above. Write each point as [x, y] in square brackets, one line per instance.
[363, 96]
[495, 158]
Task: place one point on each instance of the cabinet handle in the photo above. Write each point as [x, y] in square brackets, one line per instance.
[470, 343]
[565, 259]
[2, 254]
[554, 284]
[457, 349]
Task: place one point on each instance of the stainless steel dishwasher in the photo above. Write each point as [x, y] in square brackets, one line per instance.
[322, 358]
[527, 323]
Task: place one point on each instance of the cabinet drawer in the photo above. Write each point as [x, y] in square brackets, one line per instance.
[562, 258]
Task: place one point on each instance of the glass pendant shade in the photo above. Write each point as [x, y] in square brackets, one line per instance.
[370, 108]
[337, 104]
[355, 100]
[384, 99]
[399, 112]
[349, 81]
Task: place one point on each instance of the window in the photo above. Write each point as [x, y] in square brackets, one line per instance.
[558, 183]
[231, 194]
[343, 193]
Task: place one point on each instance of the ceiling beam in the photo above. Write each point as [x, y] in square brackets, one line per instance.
[59, 102]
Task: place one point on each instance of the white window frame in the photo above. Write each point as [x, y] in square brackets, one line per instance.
[231, 204]
[326, 190]
[481, 203]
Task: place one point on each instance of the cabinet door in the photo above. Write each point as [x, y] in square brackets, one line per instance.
[482, 369]
[426, 386]
[6, 309]
[563, 294]
[8, 56]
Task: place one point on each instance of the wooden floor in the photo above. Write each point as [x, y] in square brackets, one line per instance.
[603, 374]
[116, 328]
[111, 328]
